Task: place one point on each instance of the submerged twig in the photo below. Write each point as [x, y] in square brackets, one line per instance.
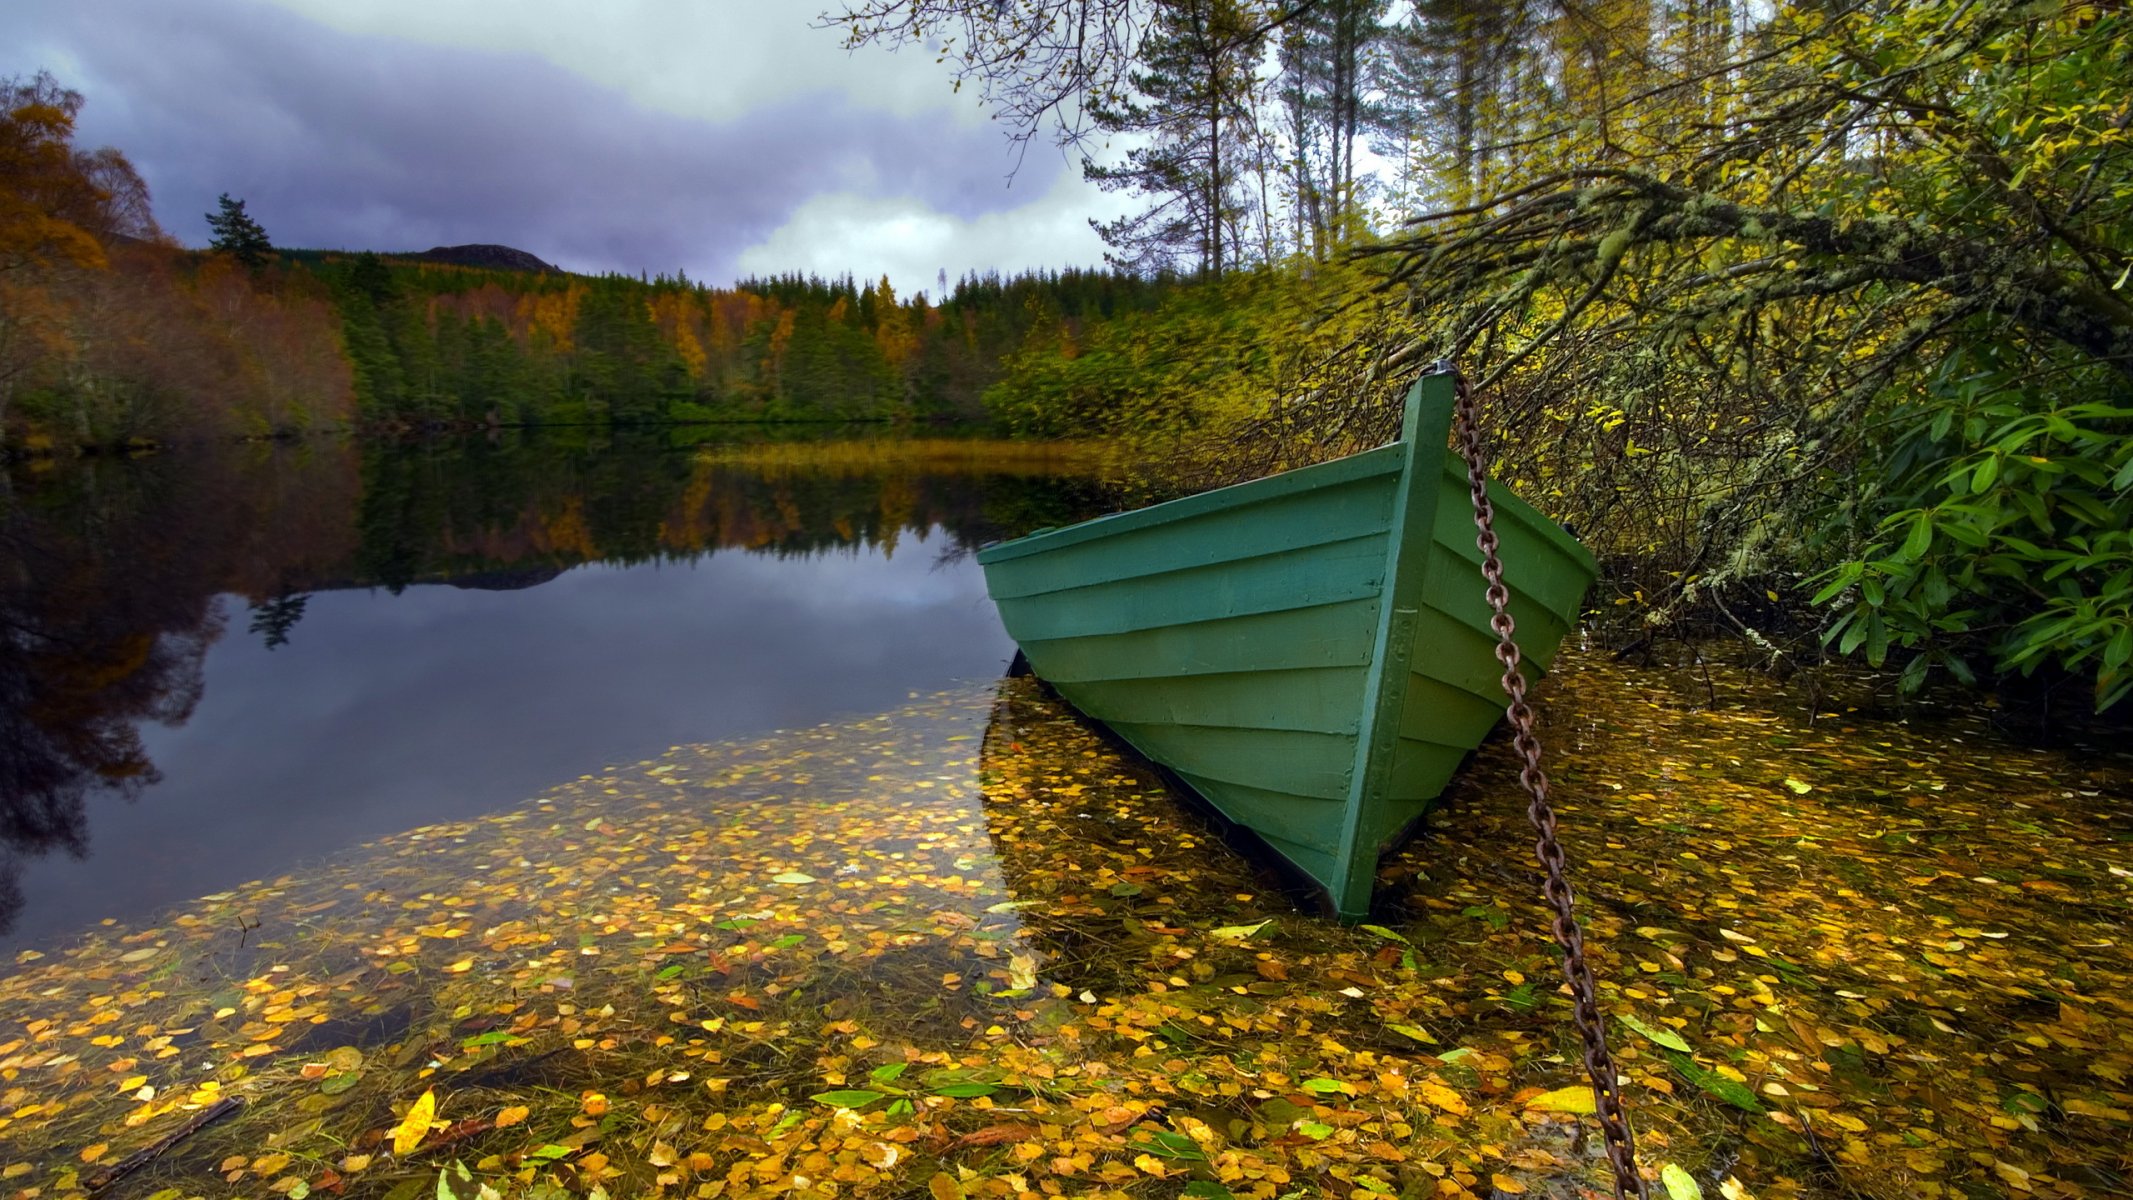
[161, 1146]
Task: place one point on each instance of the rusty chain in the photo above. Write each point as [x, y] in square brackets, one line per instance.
[1585, 1010]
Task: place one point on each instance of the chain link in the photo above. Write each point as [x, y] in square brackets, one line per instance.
[1585, 1010]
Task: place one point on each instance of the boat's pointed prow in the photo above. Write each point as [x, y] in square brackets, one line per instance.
[1423, 433]
[1308, 652]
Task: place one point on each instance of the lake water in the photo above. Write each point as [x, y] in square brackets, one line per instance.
[219, 665]
[555, 820]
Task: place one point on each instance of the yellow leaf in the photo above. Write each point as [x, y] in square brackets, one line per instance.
[1504, 1183]
[1442, 1097]
[92, 1153]
[1564, 1100]
[416, 1125]
[944, 1187]
[268, 1164]
[2089, 1108]
[595, 1104]
[512, 1116]
[355, 1162]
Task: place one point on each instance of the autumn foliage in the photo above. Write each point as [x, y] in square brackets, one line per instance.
[112, 334]
[109, 333]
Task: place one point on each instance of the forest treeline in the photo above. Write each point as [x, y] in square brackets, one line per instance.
[111, 333]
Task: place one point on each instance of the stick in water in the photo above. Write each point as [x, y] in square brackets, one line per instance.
[148, 1154]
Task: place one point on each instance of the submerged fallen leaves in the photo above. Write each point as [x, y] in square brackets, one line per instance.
[968, 949]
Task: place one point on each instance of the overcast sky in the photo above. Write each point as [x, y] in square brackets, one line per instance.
[723, 137]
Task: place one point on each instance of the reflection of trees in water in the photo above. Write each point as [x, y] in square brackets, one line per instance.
[108, 580]
[441, 511]
[110, 571]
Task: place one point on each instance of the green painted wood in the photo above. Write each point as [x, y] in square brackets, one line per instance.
[1311, 765]
[1305, 577]
[1385, 460]
[1308, 700]
[1308, 652]
[1291, 522]
[1333, 635]
[1427, 423]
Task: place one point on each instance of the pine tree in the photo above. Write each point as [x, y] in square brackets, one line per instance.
[1195, 83]
[237, 234]
[1327, 56]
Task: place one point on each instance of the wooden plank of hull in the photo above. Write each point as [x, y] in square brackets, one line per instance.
[1309, 652]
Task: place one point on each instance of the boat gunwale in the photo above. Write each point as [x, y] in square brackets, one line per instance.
[1381, 460]
[1506, 501]
[1384, 460]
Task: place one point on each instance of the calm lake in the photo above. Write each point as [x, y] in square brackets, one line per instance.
[556, 819]
[221, 664]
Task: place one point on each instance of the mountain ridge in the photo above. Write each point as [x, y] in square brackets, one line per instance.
[486, 254]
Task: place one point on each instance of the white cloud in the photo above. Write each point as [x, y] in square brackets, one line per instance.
[711, 59]
[911, 243]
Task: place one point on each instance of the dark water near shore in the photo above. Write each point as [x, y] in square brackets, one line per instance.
[216, 665]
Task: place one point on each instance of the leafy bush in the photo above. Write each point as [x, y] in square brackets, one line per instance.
[2001, 519]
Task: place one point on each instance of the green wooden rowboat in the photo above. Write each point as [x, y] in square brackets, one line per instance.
[1309, 652]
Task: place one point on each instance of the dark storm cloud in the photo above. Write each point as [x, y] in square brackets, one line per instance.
[338, 140]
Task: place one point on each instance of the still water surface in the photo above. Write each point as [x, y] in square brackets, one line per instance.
[220, 665]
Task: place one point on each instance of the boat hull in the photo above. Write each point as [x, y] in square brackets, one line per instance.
[1309, 652]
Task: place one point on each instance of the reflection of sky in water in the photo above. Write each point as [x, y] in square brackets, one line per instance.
[385, 712]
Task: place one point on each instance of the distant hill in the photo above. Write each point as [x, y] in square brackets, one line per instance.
[481, 254]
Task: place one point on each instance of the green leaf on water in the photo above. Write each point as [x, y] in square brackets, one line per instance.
[1388, 934]
[1665, 1037]
[1680, 1185]
[1327, 1087]
[788, 941]
[1165, 1144]
[849, 1098]
[966, 1091]
[1238, 932]
[1313, 1130]
[1414, 1031]
[549, 1152]
[2024, 1103]
[1714, 1084]
[1125, 889]
[887, 1072]
[492, 1038]
[1496, 918]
